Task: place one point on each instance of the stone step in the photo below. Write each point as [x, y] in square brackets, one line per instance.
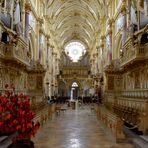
[2, 138]
[140, 143]
[144, 137]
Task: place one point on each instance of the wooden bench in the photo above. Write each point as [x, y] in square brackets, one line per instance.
[63, 110]
[58, 109]
[112, 122]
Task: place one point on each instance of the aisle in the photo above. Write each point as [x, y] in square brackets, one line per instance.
[74, 129]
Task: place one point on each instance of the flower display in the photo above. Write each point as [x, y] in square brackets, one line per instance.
[16, 114]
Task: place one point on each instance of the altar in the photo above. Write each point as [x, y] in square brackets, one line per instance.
[73, 104]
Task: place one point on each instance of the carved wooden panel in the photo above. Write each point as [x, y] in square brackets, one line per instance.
[39, 82]
[137, 80]
[110, 82]
[31, 82]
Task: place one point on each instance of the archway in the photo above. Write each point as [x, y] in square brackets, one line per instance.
[74, 91]
[62, 89]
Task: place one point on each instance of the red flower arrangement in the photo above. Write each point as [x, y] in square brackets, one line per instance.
[16, 115]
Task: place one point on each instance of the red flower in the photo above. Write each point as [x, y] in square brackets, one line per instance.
[12, 86]
[29, 125]
[16, 114]
[18, 127]
[7, 117]
[6, 86]
[14, 122]
[1, 123]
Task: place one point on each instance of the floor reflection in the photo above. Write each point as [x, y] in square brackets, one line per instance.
[74, 129]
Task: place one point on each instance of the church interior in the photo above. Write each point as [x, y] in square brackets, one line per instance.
[84, 66]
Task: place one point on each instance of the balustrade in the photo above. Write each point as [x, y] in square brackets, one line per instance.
[132, 53]
[134, 49]
[136, 93]
[17, 52]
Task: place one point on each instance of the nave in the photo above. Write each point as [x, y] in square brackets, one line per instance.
[75, 129]
[54, 51]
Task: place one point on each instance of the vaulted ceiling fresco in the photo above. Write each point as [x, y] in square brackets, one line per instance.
[75, 20]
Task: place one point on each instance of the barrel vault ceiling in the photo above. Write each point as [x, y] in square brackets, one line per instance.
[74, 20]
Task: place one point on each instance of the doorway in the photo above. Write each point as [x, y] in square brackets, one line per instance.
[74, 91]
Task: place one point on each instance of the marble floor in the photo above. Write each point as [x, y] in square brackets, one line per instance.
[74, 129]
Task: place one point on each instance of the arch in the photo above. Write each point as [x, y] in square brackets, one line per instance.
[63, 91]
[17, 12]
[81, 39]
[74, 84]
[86, 85]
[71, 5]
[74, 80]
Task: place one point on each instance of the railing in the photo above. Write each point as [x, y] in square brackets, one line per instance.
[132, 53]
[133, 50]
[17, 52]
[137, 93]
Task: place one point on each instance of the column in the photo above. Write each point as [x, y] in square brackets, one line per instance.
[94, 63]
[27, 11]
[48, 53]
[124, 23]
[41, 46]
[55, 64]
[109, 48]
[47, 88]
[54, 72]
[146, 7]
[23, 17]
[101, 59]
[91, 67]
[50, 57]
[109, 42]
[9, 10]
[97, 69]
[52, 90]
[47, 56]
[40, 50]
[128, 14]
[56, 67]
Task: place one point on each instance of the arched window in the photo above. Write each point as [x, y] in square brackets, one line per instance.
[5, 37]
[17, 14]
[32, 21]
[75, 50]
[3, 3]
[74, 84]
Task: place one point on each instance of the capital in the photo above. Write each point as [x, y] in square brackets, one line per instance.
[102, 45]
[123, 8]
[109, 32]
[27, 7]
